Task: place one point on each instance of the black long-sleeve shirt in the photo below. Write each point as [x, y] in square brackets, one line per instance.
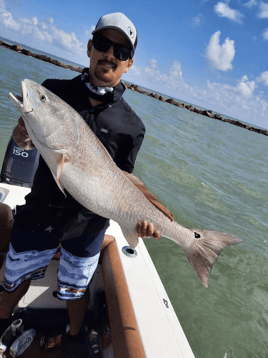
[119, 129]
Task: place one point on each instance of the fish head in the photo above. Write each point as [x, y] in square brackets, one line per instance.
[49, 121]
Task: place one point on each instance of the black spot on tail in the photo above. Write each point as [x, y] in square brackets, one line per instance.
[196, 235]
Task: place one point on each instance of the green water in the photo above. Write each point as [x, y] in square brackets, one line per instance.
[210, 175]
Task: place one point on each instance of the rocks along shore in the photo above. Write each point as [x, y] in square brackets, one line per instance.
[133, 87]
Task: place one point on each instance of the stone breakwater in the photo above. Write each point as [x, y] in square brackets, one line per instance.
[133, 87]
[191, 108]
[18, 48]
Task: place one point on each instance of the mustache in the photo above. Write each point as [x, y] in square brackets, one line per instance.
[105, 62]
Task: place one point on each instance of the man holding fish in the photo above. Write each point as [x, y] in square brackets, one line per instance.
[49, 217]
[88, 138]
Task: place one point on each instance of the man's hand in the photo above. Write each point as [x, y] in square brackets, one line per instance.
[21, 136]
[145, 229]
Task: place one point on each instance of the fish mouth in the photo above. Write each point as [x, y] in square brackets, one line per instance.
[17, 100]
[21, 102]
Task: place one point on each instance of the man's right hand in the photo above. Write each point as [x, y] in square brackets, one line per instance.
[21, 136]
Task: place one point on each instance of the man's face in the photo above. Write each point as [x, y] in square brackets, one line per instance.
[105, 69]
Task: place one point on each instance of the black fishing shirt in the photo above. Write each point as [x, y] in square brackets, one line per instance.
[119, 129]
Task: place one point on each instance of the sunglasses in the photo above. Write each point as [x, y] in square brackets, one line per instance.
[103, 44]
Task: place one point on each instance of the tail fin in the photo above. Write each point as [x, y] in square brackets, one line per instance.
[205, 250]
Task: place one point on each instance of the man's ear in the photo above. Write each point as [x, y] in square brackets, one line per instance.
[89, 48]
[128, 65]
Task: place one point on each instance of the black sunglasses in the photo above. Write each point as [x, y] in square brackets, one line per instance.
[103, 44]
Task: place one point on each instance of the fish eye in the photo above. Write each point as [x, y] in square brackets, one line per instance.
[43, 98]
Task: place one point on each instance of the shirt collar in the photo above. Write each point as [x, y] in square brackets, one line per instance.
[110, 94]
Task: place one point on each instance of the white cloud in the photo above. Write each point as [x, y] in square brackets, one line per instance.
[245, 87]
[238, 100]
[7, 20]
[64, 39]
[88, 33]
[223, 10]
[172, 79]
[263, 14]
[32, 21]
[263, 78]
[228, 95]
[153, 64]
[196, 21]
[251, 3]
[220, 56]
[43, 26]
[265, 34]
[175, 70]
[44, 31]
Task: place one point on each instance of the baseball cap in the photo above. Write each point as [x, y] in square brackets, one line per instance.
[121, 23]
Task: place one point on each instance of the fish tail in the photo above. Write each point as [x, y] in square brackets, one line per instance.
[205, 249]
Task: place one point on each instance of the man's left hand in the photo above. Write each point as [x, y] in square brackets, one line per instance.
[145, 229]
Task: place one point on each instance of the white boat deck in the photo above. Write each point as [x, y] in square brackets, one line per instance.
[160, 329]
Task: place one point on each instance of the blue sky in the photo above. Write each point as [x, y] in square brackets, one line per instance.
[209, 53]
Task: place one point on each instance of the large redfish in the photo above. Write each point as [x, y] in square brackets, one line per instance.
[81, 164]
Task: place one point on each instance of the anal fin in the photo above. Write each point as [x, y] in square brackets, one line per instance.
[131, 236]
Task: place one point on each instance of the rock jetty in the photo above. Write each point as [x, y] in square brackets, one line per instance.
[133, 87]
[191, 108]
[18, 48]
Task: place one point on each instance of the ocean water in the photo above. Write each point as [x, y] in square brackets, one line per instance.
[210, 175]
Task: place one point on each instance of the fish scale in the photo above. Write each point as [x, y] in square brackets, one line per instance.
[80, 164]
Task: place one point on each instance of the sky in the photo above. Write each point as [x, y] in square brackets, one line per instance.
[213, 54]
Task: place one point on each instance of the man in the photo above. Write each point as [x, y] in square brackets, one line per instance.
[48, 217]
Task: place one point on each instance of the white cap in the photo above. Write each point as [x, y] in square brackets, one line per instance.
[121, 23]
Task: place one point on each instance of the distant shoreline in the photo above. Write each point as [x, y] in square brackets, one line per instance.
[133, 87]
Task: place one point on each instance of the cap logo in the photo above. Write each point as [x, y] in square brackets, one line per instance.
[130, 32]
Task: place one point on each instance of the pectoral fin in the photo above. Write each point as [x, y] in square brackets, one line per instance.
[59, 184]
[59, 171]
[60, 167]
